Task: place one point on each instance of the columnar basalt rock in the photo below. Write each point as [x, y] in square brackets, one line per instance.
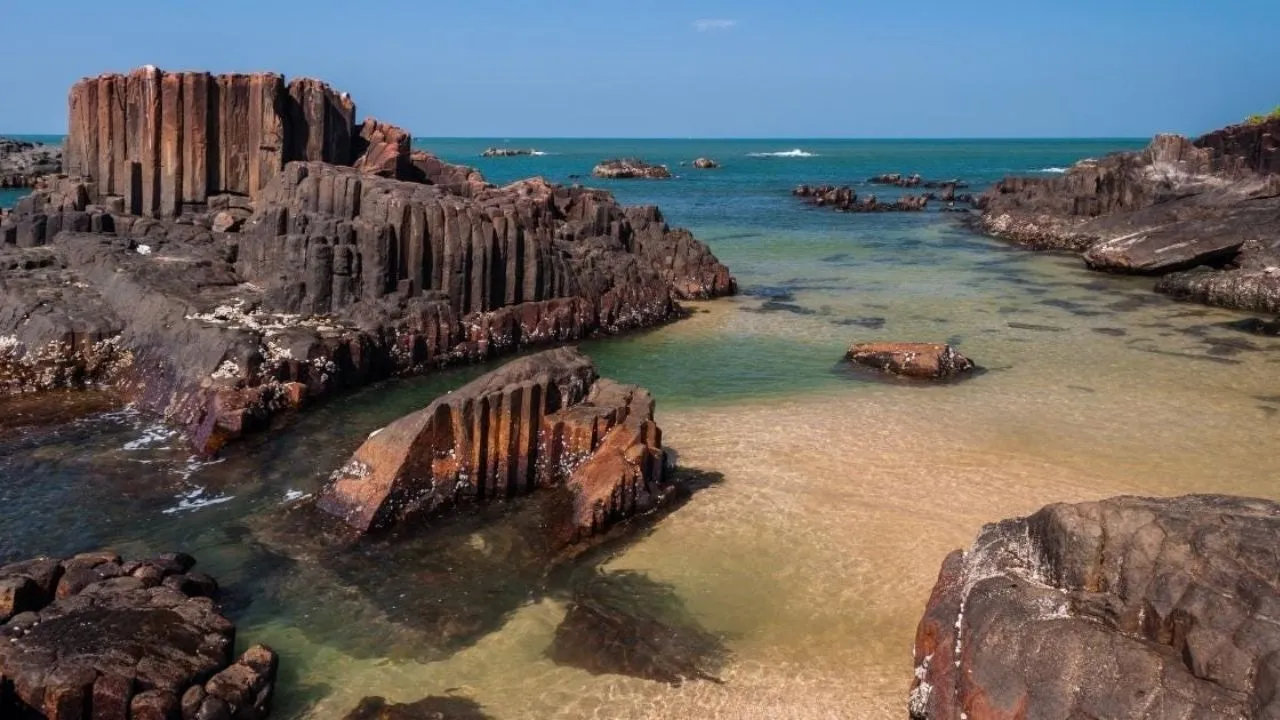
[1128, 607]
[1172, 207]
[97, 637]
[543, 421]
[166, 142]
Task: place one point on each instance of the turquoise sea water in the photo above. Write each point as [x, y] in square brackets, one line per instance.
[839, 494]
[8, 198]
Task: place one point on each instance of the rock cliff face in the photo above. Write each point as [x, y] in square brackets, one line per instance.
[543, 421]
[1129, 607]
[1175, 206]
[301, 277]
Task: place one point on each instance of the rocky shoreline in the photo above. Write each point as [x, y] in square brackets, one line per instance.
[1199, 214]
[225, 247]
[23, 163]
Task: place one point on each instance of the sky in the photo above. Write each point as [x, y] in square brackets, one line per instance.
[670, 68]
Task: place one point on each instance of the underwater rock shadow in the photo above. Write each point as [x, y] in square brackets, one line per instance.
[432, 707]
[424, 593]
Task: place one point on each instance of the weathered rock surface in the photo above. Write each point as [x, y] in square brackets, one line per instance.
[316, 276]
[22, 163]
[542, 421]
[95, 637]
[630, 168]
[433, 707]
[623, 623]
[506, 152]
[914, 180]
[1124, 608]
[929, 361]
[703, 163]
[1173, 207]
[845, 199]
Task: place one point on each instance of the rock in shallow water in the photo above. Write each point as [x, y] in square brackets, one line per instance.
[93, 634]
[432, 707]
[1128, 607]
[928, 361]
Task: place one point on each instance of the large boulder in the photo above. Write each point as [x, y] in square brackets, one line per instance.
[383, 149]
[929, 361]
[627, 168]
[96, 637]
[542, 421]
[1124, 608]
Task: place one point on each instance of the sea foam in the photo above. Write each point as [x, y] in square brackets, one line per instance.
[796, 153]
[1052, 170]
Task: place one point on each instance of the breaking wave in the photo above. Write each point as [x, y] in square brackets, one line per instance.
[1052, 170]
[797, 153]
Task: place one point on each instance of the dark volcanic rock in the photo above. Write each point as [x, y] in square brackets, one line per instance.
[844, 199]
[930, 361]
[22, 163]
[433, 707]
[505, 152]
[630, 168]
[1129, 607]
[92, 634]
[914, 180]
[623, 623]
[281, 281]
[542, 421]
[1172, 207]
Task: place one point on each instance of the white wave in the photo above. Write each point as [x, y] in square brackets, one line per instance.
[152, 437]
[194, 500]
[537, 153]
[796, 153]
[1052, 170]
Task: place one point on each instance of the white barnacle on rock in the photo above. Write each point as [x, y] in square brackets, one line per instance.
[10, 347]
[228, 370]
[143, 249]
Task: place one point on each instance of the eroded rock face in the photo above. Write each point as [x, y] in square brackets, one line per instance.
[1170, 208]
[630, 168]
[1129, 607]
[282, 281]
[542, 421]
[95, 637]
[928, 361]
[22, 163]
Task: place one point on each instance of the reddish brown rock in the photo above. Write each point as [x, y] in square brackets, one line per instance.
[1124, 608]
[930, 361]
[544, 420]
[383, 150]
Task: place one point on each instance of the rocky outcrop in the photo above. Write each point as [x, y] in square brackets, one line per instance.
[1129, 607]
[506, 152]
[928, 361]
[96, 637]
[914, 180]
[329, 277]
[630, 168]
[23, 163]
[703, 163]
[844, 199]
[1175, 206]
[163, 142]
[543, 421]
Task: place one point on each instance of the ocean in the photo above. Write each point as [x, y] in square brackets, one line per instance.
[829, 498]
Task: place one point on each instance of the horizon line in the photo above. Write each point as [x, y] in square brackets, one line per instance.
[820, 138]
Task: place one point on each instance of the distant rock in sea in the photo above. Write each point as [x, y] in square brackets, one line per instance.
[507, 152]
[844, 199]
[703, 163]
[630, 168]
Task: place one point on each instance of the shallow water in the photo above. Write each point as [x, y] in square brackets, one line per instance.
[837, 497]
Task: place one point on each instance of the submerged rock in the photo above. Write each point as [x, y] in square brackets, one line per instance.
[930, 361]
[324, 256]
[542, 421]
[432, 707]
[1128, 607]
[623, 623]
[123, 640]
[630, 168]
[1173, 207]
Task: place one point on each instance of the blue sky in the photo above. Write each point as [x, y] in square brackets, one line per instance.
[664, 68]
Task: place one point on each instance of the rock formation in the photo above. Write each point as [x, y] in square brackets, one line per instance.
[1176, 206]
[95, 637]
[281, 280]
[630, 168]
[703, 163]
[1129, 607]
[506, 152]
[22, 163]
[844, 199]
[542, 421]
[929, 361]
[914, 180]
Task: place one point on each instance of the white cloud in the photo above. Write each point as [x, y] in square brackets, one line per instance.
[713, 24]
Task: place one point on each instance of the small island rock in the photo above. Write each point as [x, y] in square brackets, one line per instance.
[630, 168]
